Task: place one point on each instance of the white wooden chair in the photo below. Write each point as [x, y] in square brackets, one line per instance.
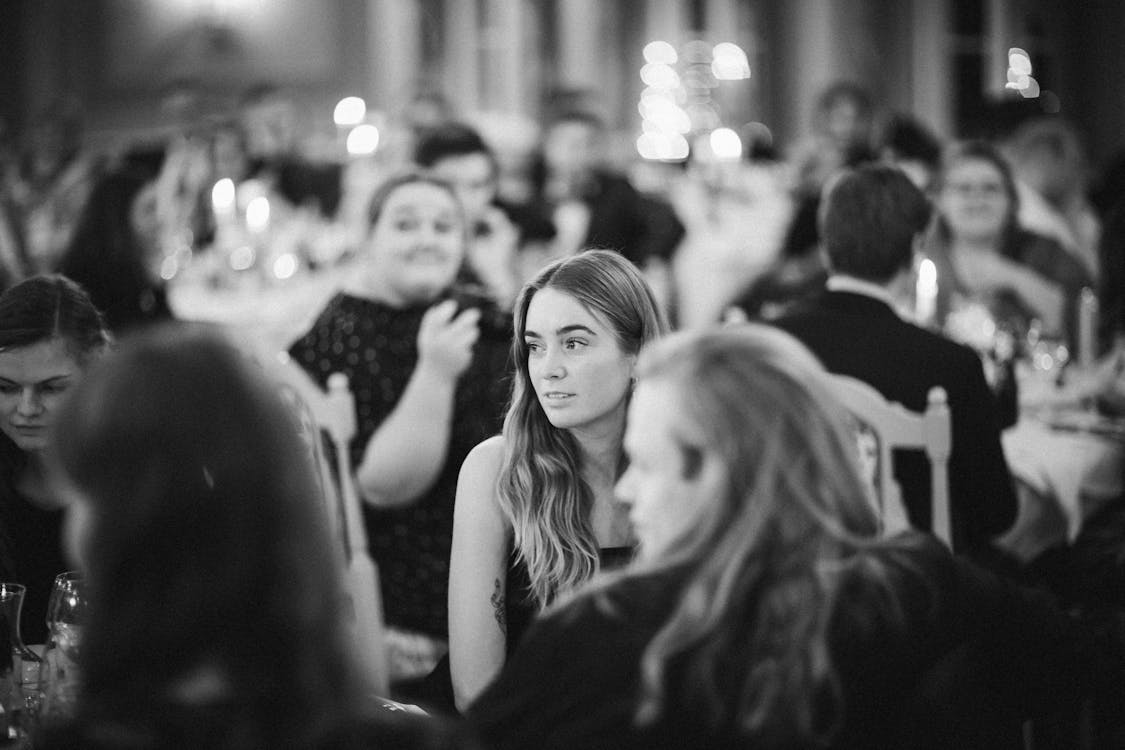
[894, 426]
[334, 412]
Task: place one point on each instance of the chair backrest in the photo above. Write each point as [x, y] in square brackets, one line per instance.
[333, 412]
[893, 426]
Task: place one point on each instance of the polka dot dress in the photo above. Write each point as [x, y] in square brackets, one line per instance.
[375, 345]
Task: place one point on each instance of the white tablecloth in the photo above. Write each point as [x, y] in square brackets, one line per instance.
[268, 314]
[1079, 471]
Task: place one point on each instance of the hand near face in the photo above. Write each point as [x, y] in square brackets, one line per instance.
[445, 340]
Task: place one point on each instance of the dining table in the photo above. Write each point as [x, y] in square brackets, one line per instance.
[260, 310]
[1066, 455]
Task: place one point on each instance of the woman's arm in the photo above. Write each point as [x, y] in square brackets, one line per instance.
[407, 453]
[478, 569]
[1044, 297]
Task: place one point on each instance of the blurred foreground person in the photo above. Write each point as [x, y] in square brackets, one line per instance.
[50, 332]
[764, 609]
[215, 617]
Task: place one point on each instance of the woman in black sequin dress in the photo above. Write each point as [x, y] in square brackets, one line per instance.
[427, 364]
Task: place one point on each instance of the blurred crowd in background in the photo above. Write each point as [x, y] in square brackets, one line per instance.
[246, 189]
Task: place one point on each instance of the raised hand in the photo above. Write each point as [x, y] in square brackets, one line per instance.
[445, 340]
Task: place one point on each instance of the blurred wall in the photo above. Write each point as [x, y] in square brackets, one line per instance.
[120, 57]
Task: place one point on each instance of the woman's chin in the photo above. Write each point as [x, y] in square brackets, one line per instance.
[426, 290]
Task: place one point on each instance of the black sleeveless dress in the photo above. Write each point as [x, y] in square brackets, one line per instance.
[520, 608]
[435, 691]
[30, 544]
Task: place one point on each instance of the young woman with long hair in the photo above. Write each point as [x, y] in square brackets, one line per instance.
[764, 608]
[535, 514]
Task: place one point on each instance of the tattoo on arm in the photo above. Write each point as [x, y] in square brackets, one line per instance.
[497, 600]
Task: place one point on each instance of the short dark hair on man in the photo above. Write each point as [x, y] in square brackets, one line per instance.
[449, 140]
[869, 217]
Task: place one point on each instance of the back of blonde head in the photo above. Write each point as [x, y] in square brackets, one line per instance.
[765, 559]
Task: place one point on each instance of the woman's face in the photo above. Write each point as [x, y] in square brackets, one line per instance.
[417, 245]
[664, 492]
[579, 371]
[33, 381]
[973, 200]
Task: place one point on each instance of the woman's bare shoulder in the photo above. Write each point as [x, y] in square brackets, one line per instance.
[488, 452]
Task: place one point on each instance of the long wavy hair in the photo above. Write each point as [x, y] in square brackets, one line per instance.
[205, 547]
[540, 487]
[766, 559]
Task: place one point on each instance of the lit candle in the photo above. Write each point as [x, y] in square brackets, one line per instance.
[925, 293]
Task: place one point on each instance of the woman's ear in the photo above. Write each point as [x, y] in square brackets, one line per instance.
[705, 477]
[712, 476]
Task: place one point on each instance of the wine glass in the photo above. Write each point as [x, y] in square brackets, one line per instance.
[66, 613]
[21, 664]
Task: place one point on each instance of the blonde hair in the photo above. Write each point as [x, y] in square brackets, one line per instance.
[540, 487]
[766, 560]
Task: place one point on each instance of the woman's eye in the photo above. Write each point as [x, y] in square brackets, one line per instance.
[444, 227]
[9, 390]
[406, 225]
[574, 343]
[533, 346]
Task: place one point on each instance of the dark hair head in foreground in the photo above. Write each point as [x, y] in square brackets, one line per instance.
[196, 518]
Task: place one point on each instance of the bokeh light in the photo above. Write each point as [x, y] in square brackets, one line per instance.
[725, 144]
[258, 214]
[1019, 74]
[660, 76]
[285, 265]
[242, 257]
[223, 196]
[662, 146]
[660, 52]
[363, 140]
[349, 111]
[169, 267]
[729, 62]
[1019, 61]
[1031, 90]
[665, 114]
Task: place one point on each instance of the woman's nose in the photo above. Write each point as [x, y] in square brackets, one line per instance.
[428, 233]
[553, 367]
[30, 404]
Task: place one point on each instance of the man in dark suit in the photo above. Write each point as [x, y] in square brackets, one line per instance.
[870, 221]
